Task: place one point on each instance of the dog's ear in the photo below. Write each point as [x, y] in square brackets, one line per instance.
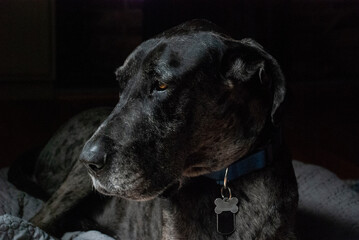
[246, 60]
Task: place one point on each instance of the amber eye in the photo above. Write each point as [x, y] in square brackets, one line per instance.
[161, 86]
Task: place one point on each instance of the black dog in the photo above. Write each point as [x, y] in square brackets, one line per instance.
[193, 102]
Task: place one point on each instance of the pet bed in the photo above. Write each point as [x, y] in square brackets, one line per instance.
[328, 209]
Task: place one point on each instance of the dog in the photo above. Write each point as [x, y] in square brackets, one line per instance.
[192, 150]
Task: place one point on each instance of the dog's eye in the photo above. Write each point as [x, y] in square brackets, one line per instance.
[160, 86]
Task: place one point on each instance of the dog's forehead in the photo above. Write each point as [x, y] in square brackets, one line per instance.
[186, 50]
[175, 54]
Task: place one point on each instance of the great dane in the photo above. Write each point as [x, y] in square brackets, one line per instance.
[192, 150]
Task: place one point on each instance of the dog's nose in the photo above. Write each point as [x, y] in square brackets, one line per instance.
[94, 155]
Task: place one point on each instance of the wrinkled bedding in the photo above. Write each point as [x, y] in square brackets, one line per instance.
[328, 209]
[17, 207]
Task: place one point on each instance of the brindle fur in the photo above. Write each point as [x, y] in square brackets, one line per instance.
[222, 102]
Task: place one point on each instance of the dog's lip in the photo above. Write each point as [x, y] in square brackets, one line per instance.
[171, 189]
[99, 188]
[196, 170]
[127, 196]
[104, 191]
[168, 191]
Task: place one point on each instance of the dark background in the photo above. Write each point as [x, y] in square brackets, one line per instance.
[57, 57]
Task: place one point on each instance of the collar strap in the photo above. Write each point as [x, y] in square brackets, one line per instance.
[243, 166]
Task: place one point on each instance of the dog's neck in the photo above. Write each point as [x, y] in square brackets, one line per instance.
[250, 163]
[254, 161]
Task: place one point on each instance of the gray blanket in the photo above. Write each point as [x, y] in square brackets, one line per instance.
[328, 209]
[328, 206]
[17, 207]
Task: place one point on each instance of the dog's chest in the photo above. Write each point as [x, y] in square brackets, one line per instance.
[187, 218]
[131, 220]
[155, 219]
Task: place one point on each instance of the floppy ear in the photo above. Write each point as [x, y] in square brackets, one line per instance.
[246, 61]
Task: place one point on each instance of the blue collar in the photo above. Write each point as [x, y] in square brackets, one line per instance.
[245, 165]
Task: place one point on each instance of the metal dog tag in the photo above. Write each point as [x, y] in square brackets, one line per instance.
[226, 210]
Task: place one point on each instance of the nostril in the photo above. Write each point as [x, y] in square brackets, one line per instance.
[94, 158]
[96, 161]
[95, 167]
[95, 152]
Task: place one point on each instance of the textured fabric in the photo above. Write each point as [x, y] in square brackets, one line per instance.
[353, 184]
[328, 209]
[17, 207]
[15, 202]
[86, 236]
[12, 227]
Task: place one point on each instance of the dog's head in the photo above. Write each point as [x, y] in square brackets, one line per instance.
[192, 101]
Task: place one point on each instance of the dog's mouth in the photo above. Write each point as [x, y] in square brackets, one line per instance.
[171, 190]
[100, 188]
[139, 190]
[104, 191]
